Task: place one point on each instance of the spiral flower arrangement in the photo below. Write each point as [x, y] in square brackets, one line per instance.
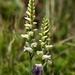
[31, 43]
[45, 44]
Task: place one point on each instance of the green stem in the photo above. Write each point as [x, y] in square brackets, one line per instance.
[45, 68]
[30, 64]
[13, 62]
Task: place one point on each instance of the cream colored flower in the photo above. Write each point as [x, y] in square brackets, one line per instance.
[39, 52]
[40, 40]
[34, 44]
[28, 25]
[39, 65]
[25, 36]
[42, 43]
[28, 19]
[48, 46]
[44, 37]
[29, 49]
[35, 30]
[46, 32]
[27, 12]
[40, 34]
[44, 57]
[31, 33]
[34, 23]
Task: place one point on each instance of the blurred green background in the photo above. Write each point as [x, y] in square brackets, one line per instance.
[61, 15]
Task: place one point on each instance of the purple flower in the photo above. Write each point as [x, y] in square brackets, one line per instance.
[36, 70]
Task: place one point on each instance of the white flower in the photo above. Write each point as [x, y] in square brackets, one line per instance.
[28, 13]
[40, 34]
[48, 46]
[28, 25]
[31, 33]
[35, 29]
[44, 37]
[33, 17]
[38, 65]
[40, 40]
[25, 36]
[48, 39]
[29, 49]
[27, 18]
[39, 52]
[34, 44]
[27, 28]
[34, 23]
[46, 32]
[49, 62]
[42, 43]
[46, 57]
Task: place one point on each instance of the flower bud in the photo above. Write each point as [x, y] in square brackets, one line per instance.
[28, 19]
[29, 9]
[33, 11]
[46, 32]
[28, 13]
[45, 27]
[33, 17]
[44, 37]
[40, 34]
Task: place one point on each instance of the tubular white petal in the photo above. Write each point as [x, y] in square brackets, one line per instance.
[25, 36]
[39, 52]
[29, 49]
[44, 57]
[35, 30]
[40, 40]
[34, 23]
[42, 43]
[28, 13]
[39, 65]
[34, 44]
[28, 25]
[48, 46]
[31, 33]
[27, 18]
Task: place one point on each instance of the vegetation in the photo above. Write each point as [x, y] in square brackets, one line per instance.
[60, 13]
